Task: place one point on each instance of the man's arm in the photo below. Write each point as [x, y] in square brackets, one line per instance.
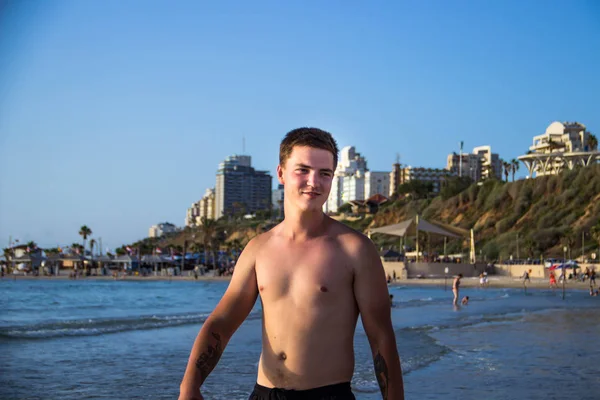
[232, 310]
[371, 293]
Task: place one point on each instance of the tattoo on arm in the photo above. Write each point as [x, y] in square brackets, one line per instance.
[209, 359]
[381, 372]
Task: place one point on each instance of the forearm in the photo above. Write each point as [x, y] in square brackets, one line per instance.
[206, 352]
[388, 370]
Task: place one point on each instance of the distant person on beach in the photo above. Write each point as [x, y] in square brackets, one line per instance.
[391, 300]
[526, 276]
[314, 276]
[465, 300]
[483, 280]
[593, 277]
[456, 288]
[552, 280]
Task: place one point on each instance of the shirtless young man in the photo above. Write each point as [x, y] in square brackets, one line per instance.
[315, 276]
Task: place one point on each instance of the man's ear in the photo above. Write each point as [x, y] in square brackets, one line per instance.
[280, 175]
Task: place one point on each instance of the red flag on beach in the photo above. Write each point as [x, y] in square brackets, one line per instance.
[158, 250]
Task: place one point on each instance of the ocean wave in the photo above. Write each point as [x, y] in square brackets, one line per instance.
[101, 326]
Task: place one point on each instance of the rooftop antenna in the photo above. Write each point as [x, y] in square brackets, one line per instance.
[397, 158]
[243, 144]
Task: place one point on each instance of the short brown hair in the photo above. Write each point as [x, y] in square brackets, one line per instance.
[310, 137]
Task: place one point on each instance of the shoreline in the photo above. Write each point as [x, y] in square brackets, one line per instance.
[494, 282]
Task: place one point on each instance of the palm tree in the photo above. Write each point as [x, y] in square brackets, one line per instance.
[514, 167]
[51, 250]
[530, 246]
[8, 253]
[92, 244]
[507, 168]
[592, 142]
[235, 245]
[568, 240]
[84, 232]
[77, 247]
[208, 228]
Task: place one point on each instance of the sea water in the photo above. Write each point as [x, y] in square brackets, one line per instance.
[93, 339]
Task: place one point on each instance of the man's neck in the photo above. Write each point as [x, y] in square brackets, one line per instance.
[303, 225]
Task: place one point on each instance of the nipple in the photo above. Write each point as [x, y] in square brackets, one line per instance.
[324, 289]
[282, 356]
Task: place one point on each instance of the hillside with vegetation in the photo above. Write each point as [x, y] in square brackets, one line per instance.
[547, 213]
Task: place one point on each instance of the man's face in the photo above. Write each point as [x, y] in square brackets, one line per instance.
[307, 177]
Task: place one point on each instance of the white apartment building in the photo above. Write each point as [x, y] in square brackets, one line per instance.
[376, 183]
[353, 187]
[193, 214]
[160, 229]
[277, 197]
[205, 208]
[491, 165]
[352, 180]
[562, 145]
[478, 165]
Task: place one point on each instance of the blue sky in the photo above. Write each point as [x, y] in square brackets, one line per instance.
[116, 114]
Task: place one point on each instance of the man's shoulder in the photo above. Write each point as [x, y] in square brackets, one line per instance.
[262, 239]
[353, 241]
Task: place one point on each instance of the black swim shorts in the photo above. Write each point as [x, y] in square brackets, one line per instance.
[339, 391]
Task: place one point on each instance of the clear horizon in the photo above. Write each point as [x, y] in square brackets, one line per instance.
[116, 115]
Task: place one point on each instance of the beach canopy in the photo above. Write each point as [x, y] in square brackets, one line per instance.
[411, 226]
[567, 265]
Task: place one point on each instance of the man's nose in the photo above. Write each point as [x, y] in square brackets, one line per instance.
[313, 179]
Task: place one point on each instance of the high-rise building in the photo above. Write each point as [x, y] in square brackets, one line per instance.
[240, 188]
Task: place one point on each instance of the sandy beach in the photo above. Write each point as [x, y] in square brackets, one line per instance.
[494, 281]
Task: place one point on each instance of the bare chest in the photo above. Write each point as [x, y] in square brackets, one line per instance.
[304, 274]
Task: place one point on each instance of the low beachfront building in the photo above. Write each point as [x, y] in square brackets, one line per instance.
[435, 176]
[563, 145]
[160, 229]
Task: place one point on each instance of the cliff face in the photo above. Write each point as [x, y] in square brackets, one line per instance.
[547, 213]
